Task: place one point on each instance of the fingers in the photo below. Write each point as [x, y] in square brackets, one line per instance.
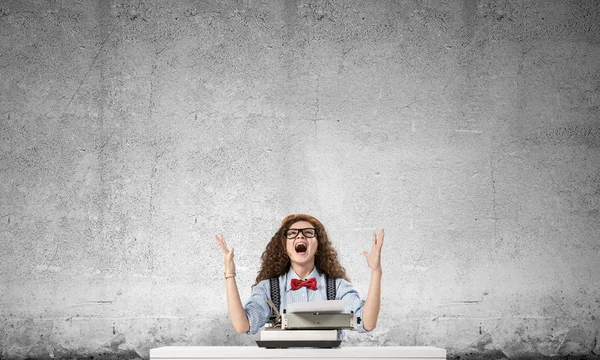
[222, 243]
[378, 239]
[366, 254]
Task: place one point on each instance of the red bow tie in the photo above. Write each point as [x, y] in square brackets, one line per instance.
[309, 283]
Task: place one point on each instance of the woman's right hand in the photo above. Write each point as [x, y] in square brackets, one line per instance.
[227, 254]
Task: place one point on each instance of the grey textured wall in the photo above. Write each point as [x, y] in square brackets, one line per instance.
[132, 131]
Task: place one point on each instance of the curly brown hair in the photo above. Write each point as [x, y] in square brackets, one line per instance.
[275, 261]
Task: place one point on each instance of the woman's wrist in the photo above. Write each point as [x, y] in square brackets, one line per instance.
[229, 275]
[378, 272]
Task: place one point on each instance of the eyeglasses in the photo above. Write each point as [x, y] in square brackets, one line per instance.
[293, 233]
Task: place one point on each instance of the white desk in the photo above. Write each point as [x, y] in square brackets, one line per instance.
[255, 352]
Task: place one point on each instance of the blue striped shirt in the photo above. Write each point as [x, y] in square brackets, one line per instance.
[258, 310]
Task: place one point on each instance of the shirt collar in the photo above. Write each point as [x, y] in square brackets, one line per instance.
[291, 274]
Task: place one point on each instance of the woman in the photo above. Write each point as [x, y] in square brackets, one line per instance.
[301, 256]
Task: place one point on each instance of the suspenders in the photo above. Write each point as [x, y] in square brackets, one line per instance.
[276, 294]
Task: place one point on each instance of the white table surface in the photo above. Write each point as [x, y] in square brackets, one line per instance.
[255, 352]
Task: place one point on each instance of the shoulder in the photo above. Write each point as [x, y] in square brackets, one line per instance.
[344, 286]
[263, 282]
[342, 282]
[263, 286]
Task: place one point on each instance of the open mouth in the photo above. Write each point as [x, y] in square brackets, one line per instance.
[300, 248]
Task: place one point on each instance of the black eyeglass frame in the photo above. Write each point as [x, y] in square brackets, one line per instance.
[300, 231]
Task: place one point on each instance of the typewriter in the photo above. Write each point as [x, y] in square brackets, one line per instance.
[312, 324]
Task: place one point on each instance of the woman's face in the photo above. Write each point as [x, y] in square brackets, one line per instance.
[302, 248]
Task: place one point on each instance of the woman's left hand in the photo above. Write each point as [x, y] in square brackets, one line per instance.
[374, 257]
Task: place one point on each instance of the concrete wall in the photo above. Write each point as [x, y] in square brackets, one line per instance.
[132, 131]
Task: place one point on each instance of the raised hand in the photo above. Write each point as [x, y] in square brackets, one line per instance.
[227, 254]
[374, 257]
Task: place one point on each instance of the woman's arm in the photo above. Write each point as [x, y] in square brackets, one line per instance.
[234, 303]
[372, 304]
[235, 308]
